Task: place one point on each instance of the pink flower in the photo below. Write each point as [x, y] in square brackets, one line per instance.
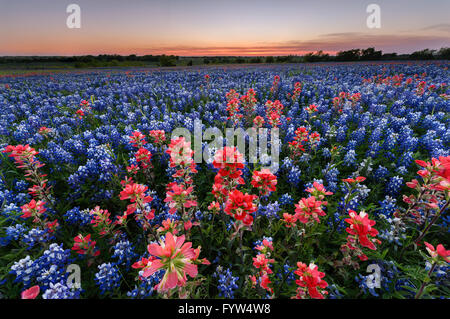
[137, 139]
[319, 191]
[144, 156]
[33, 209]
[308, 208]
[177, 197]
[440, 251]
[176, 257]
[30, 293]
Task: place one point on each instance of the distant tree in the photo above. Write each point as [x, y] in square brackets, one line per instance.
[166, 60]
[370, 54]
[319, 56]
[256, 60]
[270, 59]
[426, 54]
[444, 53]
[350, 55]
[389, 56]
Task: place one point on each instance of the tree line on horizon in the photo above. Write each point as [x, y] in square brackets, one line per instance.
[113, 60]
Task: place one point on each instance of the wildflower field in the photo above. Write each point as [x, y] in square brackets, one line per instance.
[100, 199]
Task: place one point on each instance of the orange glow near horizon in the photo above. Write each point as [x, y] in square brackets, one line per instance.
[220, 27]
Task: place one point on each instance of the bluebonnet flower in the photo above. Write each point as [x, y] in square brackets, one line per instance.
[227, 283]
[13, 233]
[286, 199]
[146, 285]
[294, 176]
[388, 206]
[394, 185]
[331, 176]
[333, 292]
[23, 270]
[350, 158]
[36, 236]
[75, 216]
[378, 281]
[107, 278]
[124, 252]
[60, 291]
[270, 210]
[381, 172]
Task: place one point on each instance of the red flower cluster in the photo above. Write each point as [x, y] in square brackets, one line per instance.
[233, 111]
[231, 95]
[137, 139]
[262, 262]
[249, 101]
[240, 206]
[274, 110]
[178, 197]
[33, 209]
[308, 209]
[230, 164]
[84, 245]
[301, 138]
[360, 229]
[435, 188]
[136, 194]
[439, 253]
[144, 156]
[310, 279]
[319, 192]
[158, 136]
[312, 108]
[275, 84]
[296, 93]
[181, 155]
[258, 121]
[264, 181]
[101, 220]
[44, 131]
[353, 181]
[25, 158]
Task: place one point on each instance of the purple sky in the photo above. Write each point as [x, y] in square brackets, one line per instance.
[216, 27]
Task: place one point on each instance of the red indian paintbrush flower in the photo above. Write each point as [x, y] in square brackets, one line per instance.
[177, 197]
[310, 280]
[137, 139]
[265, 181]
[308, 208]
[30, 293]
[361, 228]
[176, 257]
[439, 252]
[240, 206]
[319, 192]
[33, 209]
[83, 245]
[229, 161]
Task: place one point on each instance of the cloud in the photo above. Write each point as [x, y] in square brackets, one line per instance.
[444, 27]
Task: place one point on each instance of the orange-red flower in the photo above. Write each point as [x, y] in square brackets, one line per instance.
[175, 257]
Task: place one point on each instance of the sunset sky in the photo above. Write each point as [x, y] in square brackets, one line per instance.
[216, 27]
